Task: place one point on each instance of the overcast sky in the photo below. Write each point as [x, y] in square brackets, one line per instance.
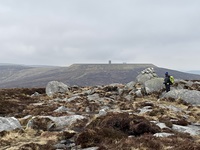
[165, 33]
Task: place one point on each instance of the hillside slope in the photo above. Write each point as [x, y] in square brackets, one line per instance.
[78, 74]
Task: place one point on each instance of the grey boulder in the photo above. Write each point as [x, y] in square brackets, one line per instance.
[9, 123]
[56, 87]
[189, 96]
[153, 85]
[48, 123]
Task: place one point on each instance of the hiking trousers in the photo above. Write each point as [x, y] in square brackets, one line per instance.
[167, 86]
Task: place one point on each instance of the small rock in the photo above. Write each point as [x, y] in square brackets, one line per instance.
[60, 146]
[61, 109]
[102, 112]
[91, 148]
[162, 134]
[35, 94]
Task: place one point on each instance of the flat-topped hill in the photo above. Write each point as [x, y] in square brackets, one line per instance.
[79, 74]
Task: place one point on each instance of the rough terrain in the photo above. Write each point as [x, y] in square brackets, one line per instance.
[134, 116]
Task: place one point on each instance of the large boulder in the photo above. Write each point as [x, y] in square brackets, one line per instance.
[56, 87]
[191, 129]
[9, 123]
[189, 96]
[48, 123]
[66, 121]
[146, 75]
[154, 85]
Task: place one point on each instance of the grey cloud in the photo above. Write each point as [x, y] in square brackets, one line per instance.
[39, 31]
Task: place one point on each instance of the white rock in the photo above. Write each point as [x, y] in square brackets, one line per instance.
[87, 109]
[162, 134]
[161, 125]
[145, 109]
[102, 112]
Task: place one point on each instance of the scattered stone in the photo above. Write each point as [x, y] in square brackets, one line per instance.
[145, 109]
[35, 94]
[73, 98]
[161, 125]
[61, 109]
[102, 112]
[60, 146]
[129, 97]
[9, 123]
[93, 97]
[139, 93]
[171, 107]
[106, 115]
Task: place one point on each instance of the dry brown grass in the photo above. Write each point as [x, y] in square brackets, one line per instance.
[27, 139]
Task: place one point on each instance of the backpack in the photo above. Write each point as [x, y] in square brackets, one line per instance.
[171, 78]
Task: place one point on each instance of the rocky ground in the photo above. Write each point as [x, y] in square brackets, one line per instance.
[135, 116]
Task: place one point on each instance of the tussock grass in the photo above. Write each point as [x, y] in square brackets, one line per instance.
[113, 127]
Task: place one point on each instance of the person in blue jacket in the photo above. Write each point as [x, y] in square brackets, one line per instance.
[167, 82]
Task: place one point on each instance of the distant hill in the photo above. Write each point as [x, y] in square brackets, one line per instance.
[12, 76]
[194, 72]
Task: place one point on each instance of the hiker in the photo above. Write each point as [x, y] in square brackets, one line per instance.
[167, 82]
